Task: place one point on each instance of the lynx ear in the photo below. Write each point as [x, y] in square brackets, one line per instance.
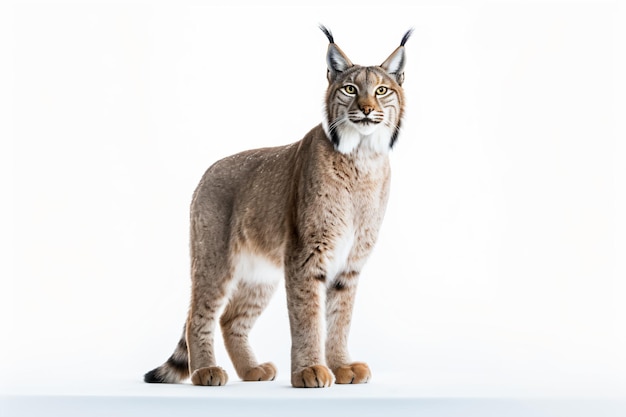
[394, 65]
[336, 60]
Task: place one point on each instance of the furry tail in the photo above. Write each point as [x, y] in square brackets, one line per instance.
[175, 369]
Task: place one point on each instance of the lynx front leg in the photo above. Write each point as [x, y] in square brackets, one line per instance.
[339, 304]
[304, 300]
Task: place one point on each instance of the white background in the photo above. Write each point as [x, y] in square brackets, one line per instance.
[501, 266]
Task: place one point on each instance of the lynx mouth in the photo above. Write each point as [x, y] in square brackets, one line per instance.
[365, 121]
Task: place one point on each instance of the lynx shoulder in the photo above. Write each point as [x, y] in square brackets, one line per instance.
[309, 212]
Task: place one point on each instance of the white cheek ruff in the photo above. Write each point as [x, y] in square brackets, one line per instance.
[379, 141]
[348, 137]
[352, 138]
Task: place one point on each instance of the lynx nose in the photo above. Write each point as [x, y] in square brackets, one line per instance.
[367, 109]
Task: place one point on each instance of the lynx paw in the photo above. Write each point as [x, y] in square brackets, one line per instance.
[316, 376]
[355, 373]
[213, 376]
[263, 372]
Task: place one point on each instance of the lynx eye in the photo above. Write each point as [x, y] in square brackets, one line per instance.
[350, 89]
[381, 91]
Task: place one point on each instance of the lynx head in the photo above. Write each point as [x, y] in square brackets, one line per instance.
[364, 105]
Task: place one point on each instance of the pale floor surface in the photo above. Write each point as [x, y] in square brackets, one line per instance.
[379, 398]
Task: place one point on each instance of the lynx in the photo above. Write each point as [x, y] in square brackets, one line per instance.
[309, 212]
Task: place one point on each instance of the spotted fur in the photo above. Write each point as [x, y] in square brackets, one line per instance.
[310, 211]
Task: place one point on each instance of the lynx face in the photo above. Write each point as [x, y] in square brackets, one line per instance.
[364, 108]
[364, 105]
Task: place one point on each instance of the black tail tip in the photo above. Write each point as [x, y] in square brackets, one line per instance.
[153, 377]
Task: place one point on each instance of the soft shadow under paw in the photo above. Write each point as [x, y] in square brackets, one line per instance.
[263, 372]
[355, 373]
[211, 376]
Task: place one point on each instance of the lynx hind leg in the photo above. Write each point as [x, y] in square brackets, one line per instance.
[246, 304]
[203, 314]
[212, 280]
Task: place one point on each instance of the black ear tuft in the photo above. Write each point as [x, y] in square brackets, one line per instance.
[394, 65]
[336, 60]
[328, 33]
[406, 36]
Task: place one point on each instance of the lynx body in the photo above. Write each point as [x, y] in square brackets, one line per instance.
[309, 212]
